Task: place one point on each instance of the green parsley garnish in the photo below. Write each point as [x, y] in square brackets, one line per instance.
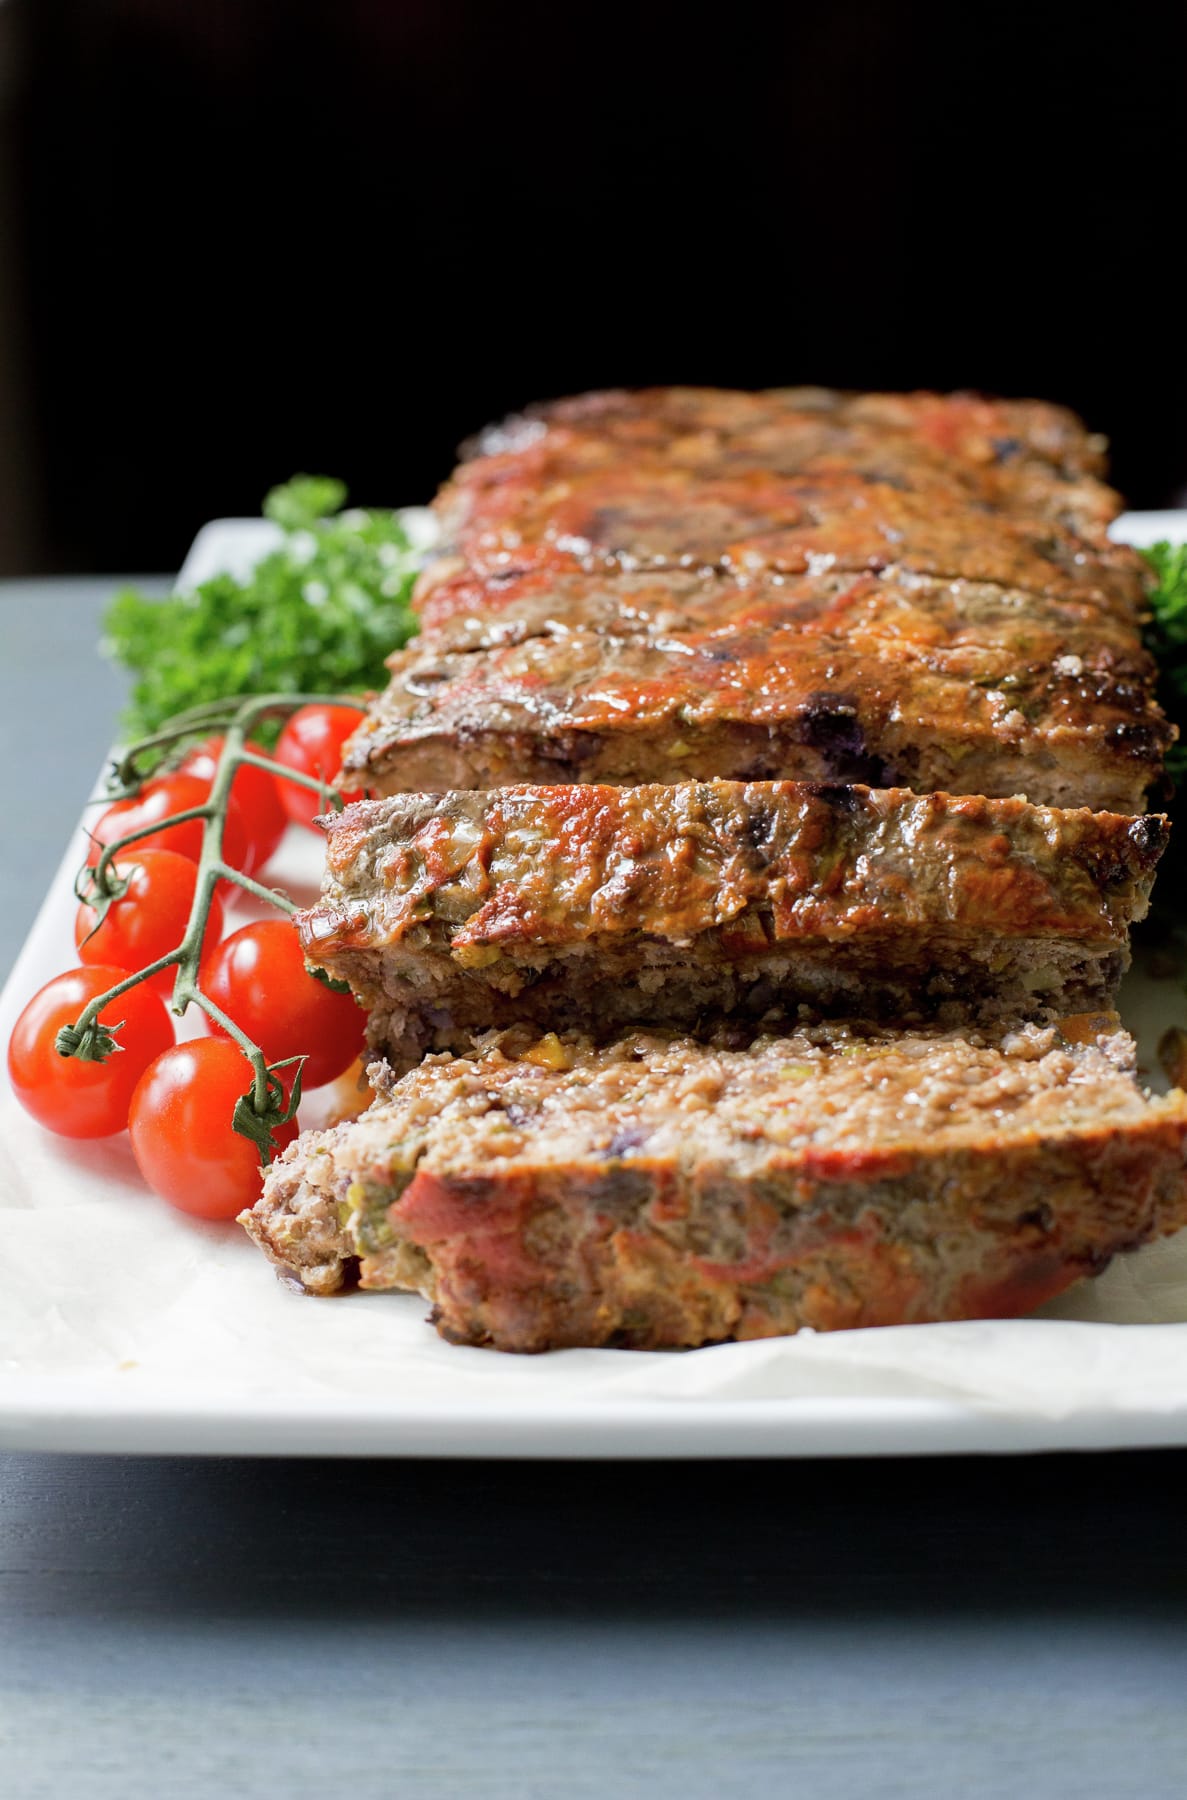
[317, 615]
[1168, 641]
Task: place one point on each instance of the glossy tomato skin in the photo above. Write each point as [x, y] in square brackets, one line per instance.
[157, 802]
[258, 977]
[150, 919]
[255, 792]
[85, 1099]
[183, 1139]
[311, 743]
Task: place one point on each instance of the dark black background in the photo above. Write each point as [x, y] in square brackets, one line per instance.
[251, 236]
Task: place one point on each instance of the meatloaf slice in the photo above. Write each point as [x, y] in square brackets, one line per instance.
[960, 686]
[659, 1193]
[580, 907]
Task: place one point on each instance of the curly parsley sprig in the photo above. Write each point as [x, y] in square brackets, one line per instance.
[320, 613]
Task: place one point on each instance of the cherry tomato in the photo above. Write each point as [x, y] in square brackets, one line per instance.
[85, 1099]
[150, 919]
[254, 791]
[258, 977]
[183, 1139]
[156, 803]
[311, 743]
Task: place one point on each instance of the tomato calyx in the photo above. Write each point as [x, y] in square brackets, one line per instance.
[99, 885]
[258, 1123]
[89, 1040]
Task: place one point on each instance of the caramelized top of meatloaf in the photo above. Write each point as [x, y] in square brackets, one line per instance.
[913, 590]
[636, 517]
[1023, 456]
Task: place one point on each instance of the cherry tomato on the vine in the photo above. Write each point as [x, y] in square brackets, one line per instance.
[148, 920]
[311, 743]
[254, 791]
[259, 979]
[157, 802]
[183, 1139]
[85, 1099]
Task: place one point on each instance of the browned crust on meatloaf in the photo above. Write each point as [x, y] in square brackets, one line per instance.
[968, 427]
[591, 907]
[662, 1193]
[868, 608]
[961, 686]
[633, 517]
[1021, 456]
[797, 584]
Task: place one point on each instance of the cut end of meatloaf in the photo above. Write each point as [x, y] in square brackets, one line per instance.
[591, 908]
[662, 1193]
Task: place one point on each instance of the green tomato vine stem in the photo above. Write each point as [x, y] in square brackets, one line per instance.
[264, 1106]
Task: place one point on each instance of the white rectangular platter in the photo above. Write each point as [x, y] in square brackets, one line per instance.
[126, 1327]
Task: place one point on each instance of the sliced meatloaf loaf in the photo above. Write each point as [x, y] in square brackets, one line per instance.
[964, 686]
[660, 1193]
[579, 907]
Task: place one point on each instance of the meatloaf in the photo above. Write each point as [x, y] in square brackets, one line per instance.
[659, 1192]
[579, 907]
[966, 686]
[792, 585]
[848, 705]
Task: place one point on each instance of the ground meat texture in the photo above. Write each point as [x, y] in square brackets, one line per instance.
[658, 1192]
[578, 907]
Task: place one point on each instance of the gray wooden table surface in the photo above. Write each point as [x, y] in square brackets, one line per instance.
[178, 1627]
